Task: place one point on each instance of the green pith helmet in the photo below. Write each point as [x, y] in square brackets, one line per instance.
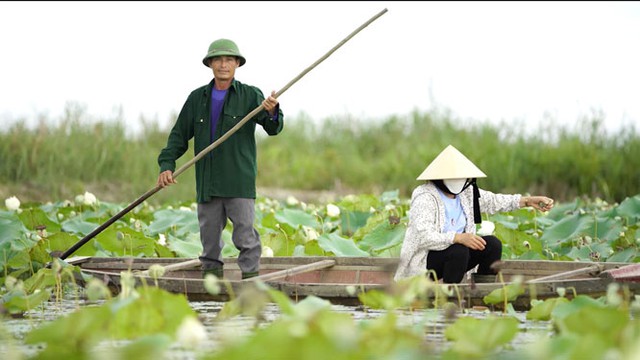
[223, 47]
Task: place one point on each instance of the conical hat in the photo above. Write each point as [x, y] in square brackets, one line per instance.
[451, 164]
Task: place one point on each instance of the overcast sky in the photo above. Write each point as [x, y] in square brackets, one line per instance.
[512, 61]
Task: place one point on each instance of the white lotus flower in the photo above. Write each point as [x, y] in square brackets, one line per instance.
[156, 271]
[10, 282]
[351, 290]
[446, 289]
[267, 251]
[486, 228]
[89, 198]
[79, 199]
[191, 333]
[97, 290]
[12, 203]
[162, 240]
[613, 294]
[184, 208]
[310, 232]
[127, 285]
[212, 284]
[291, 200]
[332, 210]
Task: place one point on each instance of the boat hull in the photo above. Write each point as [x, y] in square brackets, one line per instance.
[343, 278]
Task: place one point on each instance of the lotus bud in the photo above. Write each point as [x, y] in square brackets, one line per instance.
[561, 291]
[486, 228]
[333, 210]
[310, 233]
[291, 200]
[267, 251]
[212, 284]
[351, 290]
[156, 271]
[613, 294]
[89, 199]
[96, 290]
[10, 282]
[127, 284]
[191, 333]
[12, 203]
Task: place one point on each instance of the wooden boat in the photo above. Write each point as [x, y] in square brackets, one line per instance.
[340, 279]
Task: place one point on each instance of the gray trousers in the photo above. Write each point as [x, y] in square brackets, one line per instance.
[212, 217]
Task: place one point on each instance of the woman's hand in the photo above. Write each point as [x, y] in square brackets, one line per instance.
[541, 203]
[472, 241]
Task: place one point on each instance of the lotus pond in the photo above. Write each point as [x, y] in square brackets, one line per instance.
[45, 316]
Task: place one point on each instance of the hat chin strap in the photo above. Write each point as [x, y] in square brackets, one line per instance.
[477, 217]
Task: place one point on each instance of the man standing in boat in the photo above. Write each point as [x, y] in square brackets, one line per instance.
[441, 234]
[226, 176]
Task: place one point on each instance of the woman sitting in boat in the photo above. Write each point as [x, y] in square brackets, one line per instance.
[441, 234]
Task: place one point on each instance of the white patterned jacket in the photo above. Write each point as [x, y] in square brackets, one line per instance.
[425, 230]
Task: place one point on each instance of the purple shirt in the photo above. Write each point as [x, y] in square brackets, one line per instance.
[217, 101]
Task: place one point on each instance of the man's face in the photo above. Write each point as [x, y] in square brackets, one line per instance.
[224, 67]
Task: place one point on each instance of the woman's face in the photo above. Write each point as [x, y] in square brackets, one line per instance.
[455, 186]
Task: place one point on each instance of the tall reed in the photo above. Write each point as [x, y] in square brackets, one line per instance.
[374, 156]
[56, 160]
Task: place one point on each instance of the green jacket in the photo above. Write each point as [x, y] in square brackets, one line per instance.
[230, 169]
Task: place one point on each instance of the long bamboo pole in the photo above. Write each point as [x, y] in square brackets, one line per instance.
[300, 269]
[596, 269]
[206, 150]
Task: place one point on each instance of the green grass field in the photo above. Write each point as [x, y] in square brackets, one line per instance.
[341, 154]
